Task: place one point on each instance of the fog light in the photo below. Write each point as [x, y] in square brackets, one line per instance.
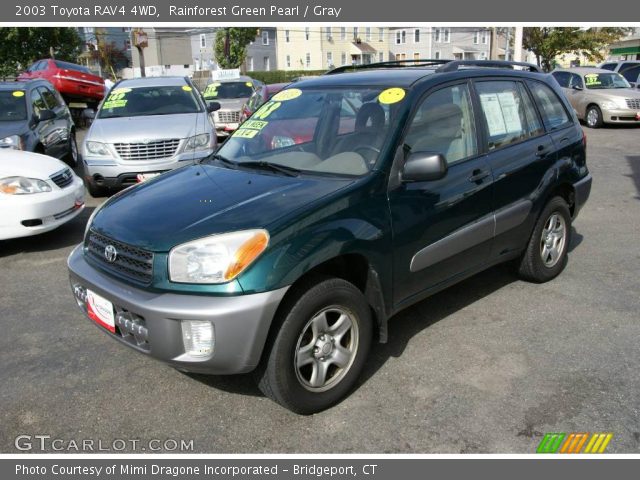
[198, 337]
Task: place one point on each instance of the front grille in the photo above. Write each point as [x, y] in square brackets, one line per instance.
[147, 151]
[131, 262]
[633, 103]
[62, 178]
[229, 116]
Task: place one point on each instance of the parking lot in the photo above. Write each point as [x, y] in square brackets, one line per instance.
[489, 365]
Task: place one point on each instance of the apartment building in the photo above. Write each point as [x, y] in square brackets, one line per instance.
[458, 43]
[322, 48]
[168, 53]
[407, 43]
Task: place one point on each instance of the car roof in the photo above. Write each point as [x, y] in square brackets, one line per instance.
[21, 84]
[241, 78]
[584, 70]
[152, 81]
[401, 77]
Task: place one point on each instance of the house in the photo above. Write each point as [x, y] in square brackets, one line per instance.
[168, 52]
[410, 43]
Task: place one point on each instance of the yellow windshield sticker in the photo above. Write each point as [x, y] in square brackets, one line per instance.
[18, 93]
[186, 88]
[114, 104]
[288, 94]
[592, 79]
[249, 84]
[266, 110]
[120, 90]
[245, 133]
[255, 124]
[211, 90]
[391, 95]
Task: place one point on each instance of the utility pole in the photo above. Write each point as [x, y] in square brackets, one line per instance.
[493, 44]
[140, 41]
[517, 46]
[507, 47]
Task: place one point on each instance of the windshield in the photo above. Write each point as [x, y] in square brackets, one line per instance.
[597, 81]
[151, 100]
[218, 90]
[338, 131]
[12, 106]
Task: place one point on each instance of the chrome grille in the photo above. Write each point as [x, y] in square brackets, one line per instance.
[147, 151]
[131, 262]
[229, 116]
[62, 178]
[633, 103]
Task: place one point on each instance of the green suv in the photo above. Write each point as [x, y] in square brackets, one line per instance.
[341, 201]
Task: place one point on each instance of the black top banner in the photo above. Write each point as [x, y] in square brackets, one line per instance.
[325, 11]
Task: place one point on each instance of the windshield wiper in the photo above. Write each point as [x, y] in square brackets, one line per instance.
[274, 167]
[223, 159]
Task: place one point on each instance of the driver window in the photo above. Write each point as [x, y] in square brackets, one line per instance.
[444, 123]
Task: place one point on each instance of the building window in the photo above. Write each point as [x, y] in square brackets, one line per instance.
[286, 36]
[401, 37]
[368, 33]
[343, 33]
[355, 33]
[416, 55]
[480, 36]
[329, 59]
[343, 59]
[446, 35]
[381, 56]
[328, 33]
[437, 55]
[381, 34]
[250, 64]
[484, 37]
[416, 35]
[266, 62]
[306, 33]
[288, 61]
[265, 37]
[308, 61]
[203, 40]
[401, 56]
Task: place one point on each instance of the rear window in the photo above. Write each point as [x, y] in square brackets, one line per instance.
[553, 112]
[631, 72]
[12, 106]
[71, 66]
[218, 90]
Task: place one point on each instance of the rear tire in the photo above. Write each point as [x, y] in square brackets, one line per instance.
[546, 253]
[593, 118]
[314, 359]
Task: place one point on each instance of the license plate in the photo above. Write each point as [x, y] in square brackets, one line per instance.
[143, 177]
[100, 310]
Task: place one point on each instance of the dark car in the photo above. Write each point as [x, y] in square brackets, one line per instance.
[75, 82]
[262, 94]
[289, 258]
[34, 117]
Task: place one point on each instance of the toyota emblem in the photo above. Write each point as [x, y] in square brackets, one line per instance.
[110, 253]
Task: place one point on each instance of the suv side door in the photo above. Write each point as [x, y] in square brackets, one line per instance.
[520, 154]
[441, 228]
[43, 129]
[61, 124]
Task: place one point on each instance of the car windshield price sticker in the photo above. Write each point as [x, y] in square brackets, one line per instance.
[592, 79]
[288, 94]
[391, 95]
[116, 98]
[18, 93]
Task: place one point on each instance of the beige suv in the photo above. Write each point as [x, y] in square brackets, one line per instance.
[600, 96]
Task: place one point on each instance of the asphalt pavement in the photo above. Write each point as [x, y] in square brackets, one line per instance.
[488, 366]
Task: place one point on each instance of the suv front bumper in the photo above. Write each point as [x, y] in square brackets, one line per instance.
[241, 323]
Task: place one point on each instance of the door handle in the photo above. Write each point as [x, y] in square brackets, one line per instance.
[542, 151]
[478, 175]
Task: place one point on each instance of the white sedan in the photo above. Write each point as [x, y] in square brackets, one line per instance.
[37, 193]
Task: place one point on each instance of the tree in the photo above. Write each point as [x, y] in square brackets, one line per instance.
[107, 54]
[231, 45]
[549, 42]
[21, 46]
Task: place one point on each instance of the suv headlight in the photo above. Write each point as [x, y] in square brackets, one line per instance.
[12, 141]
[97, 148]
[198, 142]
[217, 258]
[23, 185]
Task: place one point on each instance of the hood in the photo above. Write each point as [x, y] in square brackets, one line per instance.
[615, 93]
[232, 103]
[154, 127]
[200, 200]
[13, 128]
[15, 163]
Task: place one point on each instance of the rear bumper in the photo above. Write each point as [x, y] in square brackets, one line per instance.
[582, 190]
[241, 323]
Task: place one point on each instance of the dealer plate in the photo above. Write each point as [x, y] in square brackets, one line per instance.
[100, 310]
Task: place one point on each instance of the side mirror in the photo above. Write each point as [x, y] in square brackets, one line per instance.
[45, 115]
[577, 87]
[424, 166]
[213, 106]
[89, 113]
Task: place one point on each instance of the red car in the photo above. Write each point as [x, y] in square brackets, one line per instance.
[74, 82]
[261, 95]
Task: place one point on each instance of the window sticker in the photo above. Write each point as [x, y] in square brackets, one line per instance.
[266, 110]
[391, 95]
[249, 84]
[592, 79]
[116, 98]
[254, 124]
[501, 112]
[186, 88]
[288, 94]
[245, 133]
[18, 93]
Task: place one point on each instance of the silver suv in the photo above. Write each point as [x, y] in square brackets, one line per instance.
[144, 127]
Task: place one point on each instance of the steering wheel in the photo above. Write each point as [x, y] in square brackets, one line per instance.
[370, 159]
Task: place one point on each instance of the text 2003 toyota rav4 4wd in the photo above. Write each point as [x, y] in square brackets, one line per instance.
[341, 201]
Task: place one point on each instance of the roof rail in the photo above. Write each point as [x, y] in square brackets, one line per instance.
[413, 62]
[454, 65]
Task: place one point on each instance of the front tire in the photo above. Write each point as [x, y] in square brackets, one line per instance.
[95, 191]
[71, 158]
[546, 253]
[317, 354]
[594, 117]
